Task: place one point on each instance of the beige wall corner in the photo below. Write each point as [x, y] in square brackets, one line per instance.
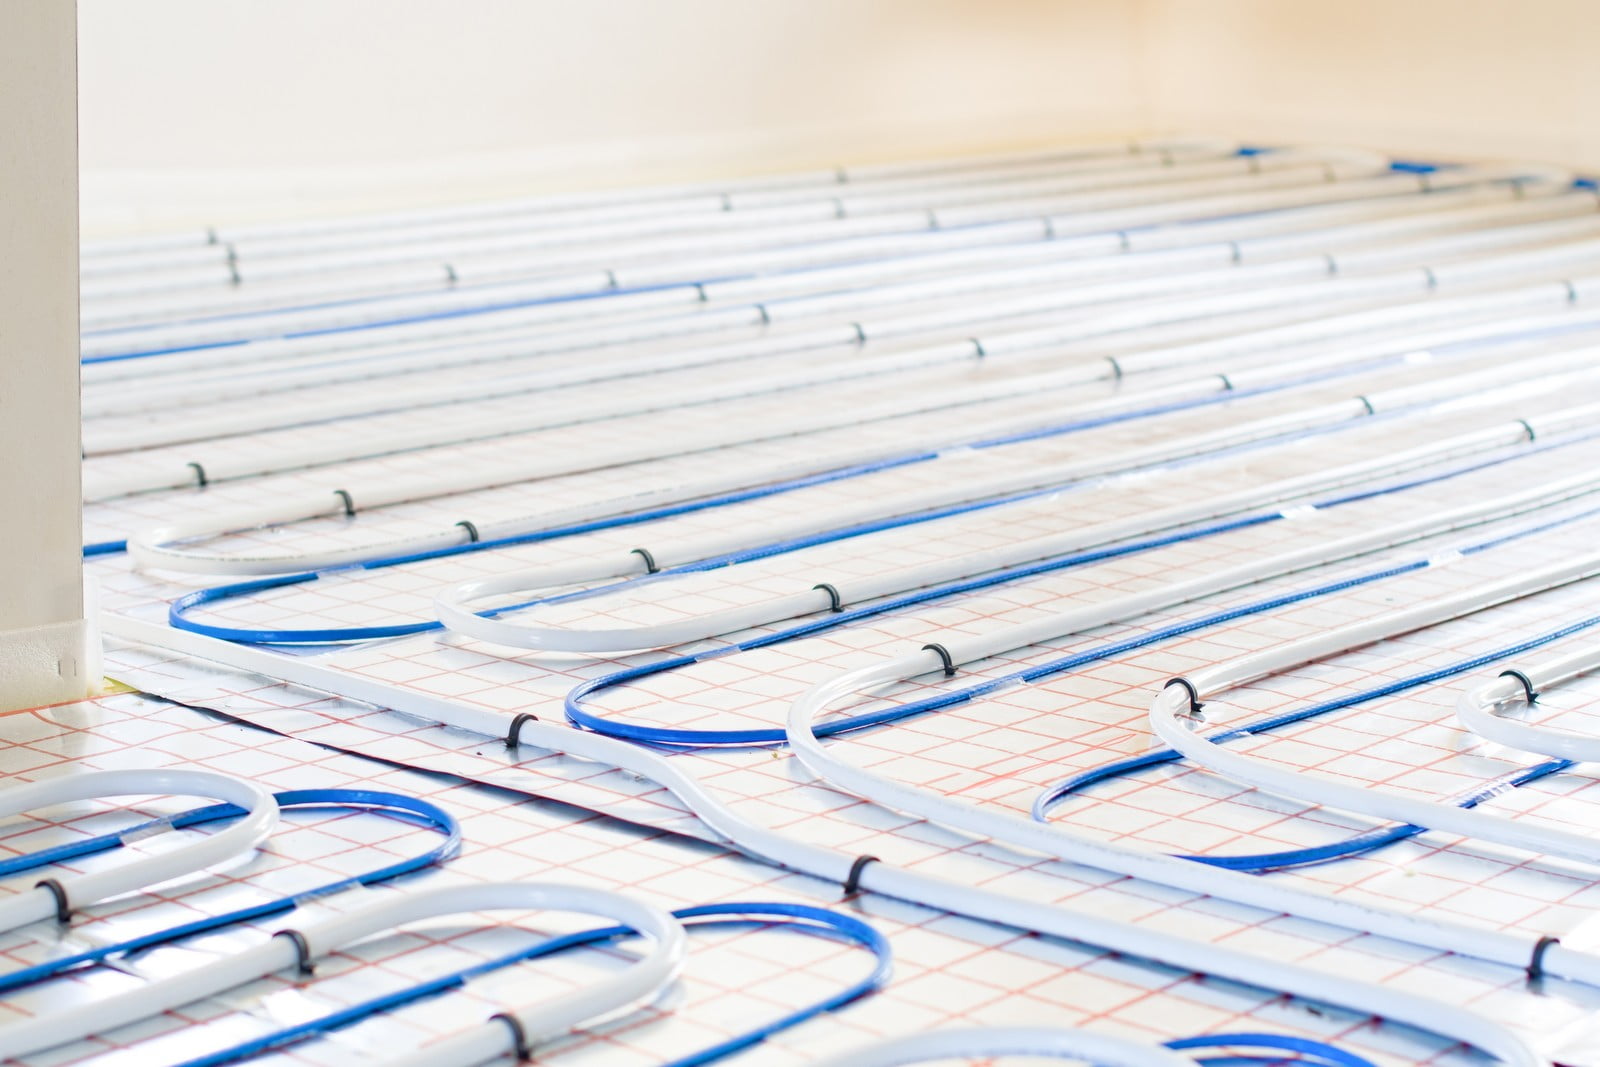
[45, 646]
[1443, 79]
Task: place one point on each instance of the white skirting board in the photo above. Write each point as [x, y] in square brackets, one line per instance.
[49, 664]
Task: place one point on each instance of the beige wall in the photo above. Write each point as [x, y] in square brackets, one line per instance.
[42, 636]
[1450, 78]
[193, 109]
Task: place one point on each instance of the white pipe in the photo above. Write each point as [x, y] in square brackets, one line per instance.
[1057, 217]
[1060, 842]
[177, 473]
[201, 425]
[1130, 229]
[1060, 920]
[799, 268]
[1034, 343]
[253, 416]
[942, 249]
[854, 590]
[1169, 718]
[79, 891]
[171, 546]
[482, 1043]
[1488, 315]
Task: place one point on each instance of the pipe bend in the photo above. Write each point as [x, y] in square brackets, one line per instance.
[82, 890]
[1475, 709]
